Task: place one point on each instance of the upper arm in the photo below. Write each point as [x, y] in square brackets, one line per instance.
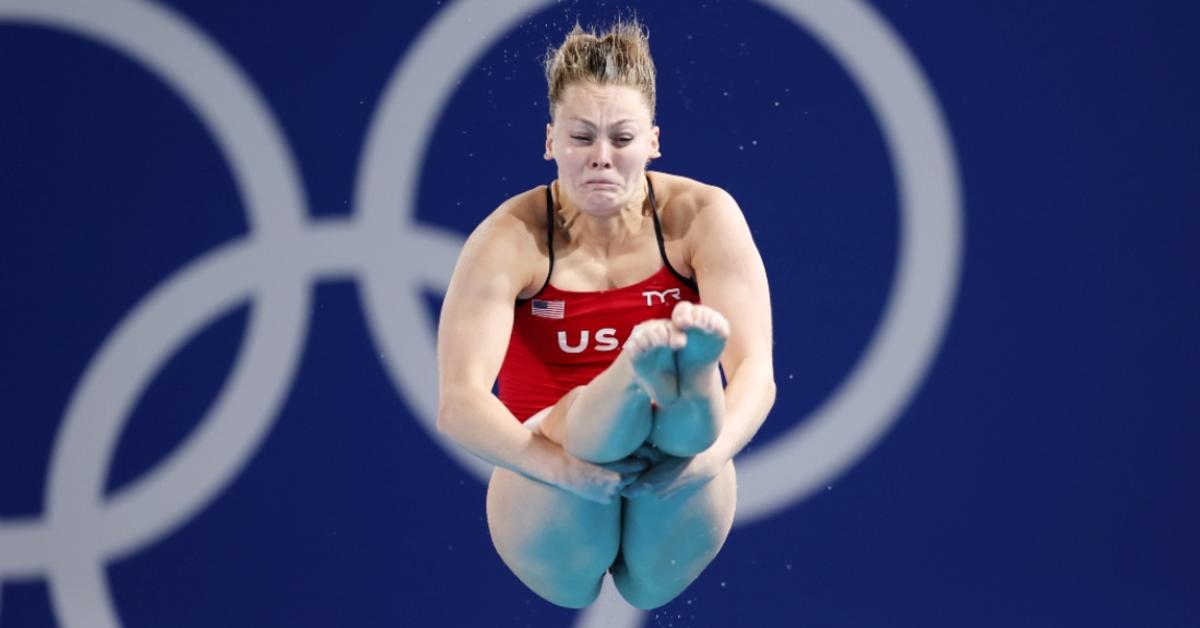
[733, 280]
[477, 313]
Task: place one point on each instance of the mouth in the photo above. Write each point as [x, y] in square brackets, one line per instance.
[600, 183]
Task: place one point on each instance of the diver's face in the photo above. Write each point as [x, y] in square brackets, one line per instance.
[601, 139]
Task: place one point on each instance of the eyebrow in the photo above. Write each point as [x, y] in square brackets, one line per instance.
[593, 125]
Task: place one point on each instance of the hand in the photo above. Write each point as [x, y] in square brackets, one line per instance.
[668, 475]
[602, 483]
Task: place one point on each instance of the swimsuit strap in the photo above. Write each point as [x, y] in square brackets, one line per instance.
[658, 235]
[549, 233]
[549, 244]
[662, 248]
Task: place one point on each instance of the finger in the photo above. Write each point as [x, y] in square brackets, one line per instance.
[624, 463]
[629, 465]
[598, 498]
[650, 452]
[628, 479]
[674, 489]
[634, 490]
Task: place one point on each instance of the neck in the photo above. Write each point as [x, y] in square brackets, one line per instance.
[602, 232]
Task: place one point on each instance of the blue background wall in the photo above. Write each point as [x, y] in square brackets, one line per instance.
[1043, 474]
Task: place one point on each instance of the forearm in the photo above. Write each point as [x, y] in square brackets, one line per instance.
[481, 424]
[748, 398]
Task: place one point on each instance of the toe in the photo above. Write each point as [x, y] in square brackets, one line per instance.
[711, 321]
[684, 314]
[678, 338]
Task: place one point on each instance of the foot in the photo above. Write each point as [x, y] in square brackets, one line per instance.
[651, 351]
[706, 332]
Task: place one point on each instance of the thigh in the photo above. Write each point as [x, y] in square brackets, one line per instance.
[665, 544]
[558, 544]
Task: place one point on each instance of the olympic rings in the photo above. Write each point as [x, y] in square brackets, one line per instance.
[285, 253]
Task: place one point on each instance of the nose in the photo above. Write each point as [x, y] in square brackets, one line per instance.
[602, 155]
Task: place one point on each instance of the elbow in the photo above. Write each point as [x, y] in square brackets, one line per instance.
[771, 390]
[769, 387]
[443, 424]
[446, 424]
[445, 416]
[454, 406]
[460, 408]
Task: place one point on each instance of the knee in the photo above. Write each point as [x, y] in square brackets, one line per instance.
[645, 593]
[571, 579]
[567, 594]
[565, 572]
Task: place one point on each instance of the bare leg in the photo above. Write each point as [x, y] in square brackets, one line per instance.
[609, 418]
[667, 543]
[558, 544]
[691, 422]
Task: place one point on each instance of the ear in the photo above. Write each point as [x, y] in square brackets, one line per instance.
[655, 148]
[549, 154]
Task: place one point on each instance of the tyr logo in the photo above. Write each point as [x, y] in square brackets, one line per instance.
[662, 296]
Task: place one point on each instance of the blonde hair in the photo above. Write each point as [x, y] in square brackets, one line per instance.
[618, 56]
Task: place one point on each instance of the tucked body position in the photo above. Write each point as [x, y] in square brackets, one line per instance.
[607, 304]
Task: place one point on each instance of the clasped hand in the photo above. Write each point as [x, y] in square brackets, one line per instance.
[666, 475]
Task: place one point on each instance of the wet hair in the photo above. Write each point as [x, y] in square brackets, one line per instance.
[617, 56]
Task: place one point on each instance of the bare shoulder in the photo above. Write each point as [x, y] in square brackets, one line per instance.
[510, 242]
[520, 218]
[690, 207]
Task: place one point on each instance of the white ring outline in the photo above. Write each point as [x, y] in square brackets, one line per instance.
[80, 533]
[386, 193]
[870, 400]
[864, 407]
[289, 283]
[847, 425]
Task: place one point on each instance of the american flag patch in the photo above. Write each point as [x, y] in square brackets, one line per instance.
[549, 309]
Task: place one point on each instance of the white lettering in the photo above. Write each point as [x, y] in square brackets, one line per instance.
[562, 342]
[662, 296]
[605, 340]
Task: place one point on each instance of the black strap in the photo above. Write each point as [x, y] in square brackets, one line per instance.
[662, 248]
[658, 235]
[549, 244]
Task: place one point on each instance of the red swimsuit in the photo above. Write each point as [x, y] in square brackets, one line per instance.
[562, 338]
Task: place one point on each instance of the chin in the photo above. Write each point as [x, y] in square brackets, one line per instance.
[600, 203]
[599, 209]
